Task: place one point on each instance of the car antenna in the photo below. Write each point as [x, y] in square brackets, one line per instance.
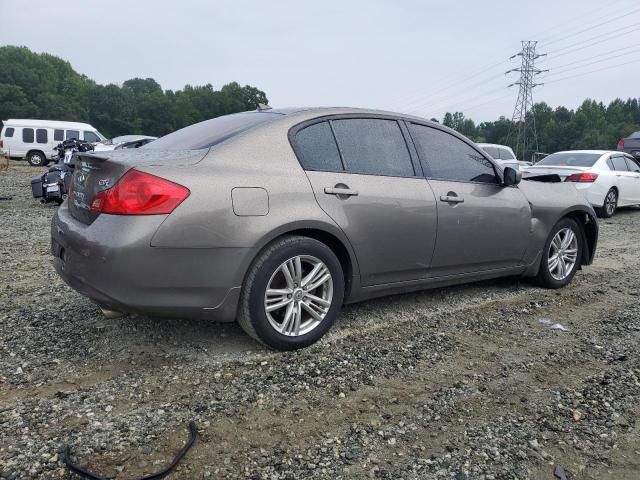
[262, 107]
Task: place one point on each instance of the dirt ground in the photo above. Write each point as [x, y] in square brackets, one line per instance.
[456, 383]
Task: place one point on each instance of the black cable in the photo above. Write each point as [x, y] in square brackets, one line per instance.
[580, 45]
[154, 476]
[571, 35]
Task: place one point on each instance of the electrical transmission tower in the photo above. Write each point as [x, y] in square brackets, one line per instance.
[524, 122]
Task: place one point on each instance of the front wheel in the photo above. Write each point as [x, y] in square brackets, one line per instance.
[610, 204]
[292, 294]
[562, 254]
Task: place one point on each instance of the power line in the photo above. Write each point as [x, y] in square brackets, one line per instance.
[439, 98]
[591, 63]
[455, 104]
[593, 71]
[604, 54]
[591, 27]
[473, 106]
[563, 25]
[416, 99]
[617, 33]
[413, 103]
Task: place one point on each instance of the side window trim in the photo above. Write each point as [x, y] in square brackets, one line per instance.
[423, 169]
[335, 139]
[425, 164]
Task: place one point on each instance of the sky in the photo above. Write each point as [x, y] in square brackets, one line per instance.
[420, 57]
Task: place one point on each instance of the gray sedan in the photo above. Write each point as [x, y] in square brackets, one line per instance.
[278, 217]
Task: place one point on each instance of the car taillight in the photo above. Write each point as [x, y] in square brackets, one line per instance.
[139, 193]
[621, 143]
[582, 177]
[1, 143]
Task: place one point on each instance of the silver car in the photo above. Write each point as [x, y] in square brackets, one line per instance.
[277, 218]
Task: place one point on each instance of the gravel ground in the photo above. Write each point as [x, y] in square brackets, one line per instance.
[455, 383]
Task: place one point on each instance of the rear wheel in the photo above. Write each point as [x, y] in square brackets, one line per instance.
[37, 159]
[610, 204]
[292, 294]
[562, 254]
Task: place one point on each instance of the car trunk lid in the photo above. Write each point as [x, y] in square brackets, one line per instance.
[562, 171]
[632, 146]
[95, 172]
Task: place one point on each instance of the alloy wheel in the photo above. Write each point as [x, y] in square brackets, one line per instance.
[298, 295]
[563, 254]
[610, 202]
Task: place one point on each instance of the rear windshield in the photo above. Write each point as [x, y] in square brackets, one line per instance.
[570, 159]
[210, 132]
[498, 153]
[635, 135]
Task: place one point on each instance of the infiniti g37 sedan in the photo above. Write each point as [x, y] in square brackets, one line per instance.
[278, 217]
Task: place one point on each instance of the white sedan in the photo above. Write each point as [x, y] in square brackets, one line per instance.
[608, 179]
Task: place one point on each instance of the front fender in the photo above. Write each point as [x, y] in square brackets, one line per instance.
[550, 202]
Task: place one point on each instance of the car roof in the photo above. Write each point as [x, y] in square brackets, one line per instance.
[320, 111]
[599, 152]
[25, 122]
[497, 145]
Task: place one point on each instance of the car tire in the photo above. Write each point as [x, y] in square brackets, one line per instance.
[283, 320]
[37, 159]
[610, 204]
[568, 249]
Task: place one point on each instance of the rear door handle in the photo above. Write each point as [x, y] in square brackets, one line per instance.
[347, 192]
[451, 199]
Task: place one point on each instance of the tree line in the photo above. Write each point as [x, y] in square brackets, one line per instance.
[43, 86]
[593, 125]
[46, 87]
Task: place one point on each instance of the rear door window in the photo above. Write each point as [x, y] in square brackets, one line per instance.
[71, 134]
[632, 164]
[317, 148]
[619, 164]
[446, 157]
[373, 146]
[8, 132]
[58, 135]
[41, 135]
[27, 135]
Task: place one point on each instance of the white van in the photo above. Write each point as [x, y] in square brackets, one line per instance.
[36, 140]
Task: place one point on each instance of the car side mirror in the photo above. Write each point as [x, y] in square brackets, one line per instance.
[511, 176]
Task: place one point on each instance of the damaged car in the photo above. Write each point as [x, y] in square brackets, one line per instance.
[276, 218]
[607, 179]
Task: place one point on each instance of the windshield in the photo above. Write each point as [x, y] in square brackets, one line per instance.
[210, 132]
[635, 135]
[570, 159]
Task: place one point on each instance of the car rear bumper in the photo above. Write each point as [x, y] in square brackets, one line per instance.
[112, 262]
[593, 192]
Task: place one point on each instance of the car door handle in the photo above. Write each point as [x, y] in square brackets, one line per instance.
[347, 192]
[451, 199]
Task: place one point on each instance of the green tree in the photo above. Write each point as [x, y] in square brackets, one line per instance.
[44, 86]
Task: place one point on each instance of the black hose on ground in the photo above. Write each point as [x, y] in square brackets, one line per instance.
[154, 476]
